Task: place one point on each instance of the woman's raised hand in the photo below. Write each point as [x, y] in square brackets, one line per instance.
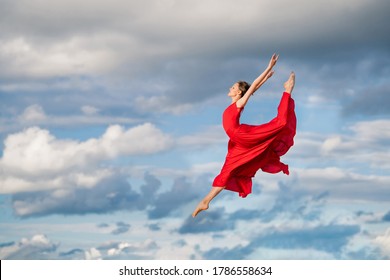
[273, 60]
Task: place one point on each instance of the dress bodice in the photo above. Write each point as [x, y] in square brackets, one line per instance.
[231, 119]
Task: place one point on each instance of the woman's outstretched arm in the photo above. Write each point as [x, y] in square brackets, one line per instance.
[258, 82]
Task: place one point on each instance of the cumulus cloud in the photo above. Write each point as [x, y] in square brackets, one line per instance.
[33, 113]
[40, 247]
[35, 160]
[383, 242]
[93, 254]
[49, 175]
[125, 250]
[37, 247]
[109, 195]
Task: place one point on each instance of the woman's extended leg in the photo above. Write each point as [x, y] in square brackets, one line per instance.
[204, 204]
[290, 83]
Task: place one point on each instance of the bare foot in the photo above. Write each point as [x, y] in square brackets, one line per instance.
[201, 207]
[289, 84]
[204, 204]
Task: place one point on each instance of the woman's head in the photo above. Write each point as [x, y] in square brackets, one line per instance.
[238, 89]
[243, 87]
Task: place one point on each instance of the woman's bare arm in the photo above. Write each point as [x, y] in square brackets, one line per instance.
[258, 82]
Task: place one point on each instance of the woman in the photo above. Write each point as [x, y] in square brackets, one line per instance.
[253, 147]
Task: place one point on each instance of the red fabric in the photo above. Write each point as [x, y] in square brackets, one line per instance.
[254, 147]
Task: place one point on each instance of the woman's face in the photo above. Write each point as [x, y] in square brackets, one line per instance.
[234, 91]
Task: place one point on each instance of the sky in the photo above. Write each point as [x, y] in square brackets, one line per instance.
[110, 129]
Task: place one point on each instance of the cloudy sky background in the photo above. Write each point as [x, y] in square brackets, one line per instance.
[110, 129]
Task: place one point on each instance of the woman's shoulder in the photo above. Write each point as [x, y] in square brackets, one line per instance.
[234, 105]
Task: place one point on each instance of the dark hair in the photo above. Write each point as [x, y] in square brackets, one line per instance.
[243, 86]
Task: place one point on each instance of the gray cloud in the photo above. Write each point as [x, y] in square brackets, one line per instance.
[296, 205]
[246, 214]
[212, 221]
[289, 204]
[170, 201]
[103, 225]
[121, 228]
[328, 238]
[38, 247]
[370, 101]
[156, 52]
[154, 227]
[386, 217]
[151, 186]
[110, 195]
[74, 254]
[366, 253]
[237, 253]
[7, 244]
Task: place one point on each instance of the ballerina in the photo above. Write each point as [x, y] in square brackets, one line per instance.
[253, 147]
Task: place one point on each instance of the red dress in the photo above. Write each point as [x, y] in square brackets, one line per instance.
[254, 147]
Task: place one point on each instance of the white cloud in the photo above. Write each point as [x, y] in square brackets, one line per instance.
[33, 113]
[38, 247]
[344, 184]
[364, 142]
[124, 250]
[383, 241]
[330, 144]
[89, 110]
[34, 159]
[93, 254]
[372, 131]
[69, 57]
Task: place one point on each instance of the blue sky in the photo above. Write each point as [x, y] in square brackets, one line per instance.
[110, 129]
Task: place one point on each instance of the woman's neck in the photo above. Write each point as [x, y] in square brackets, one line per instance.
[235, 99]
